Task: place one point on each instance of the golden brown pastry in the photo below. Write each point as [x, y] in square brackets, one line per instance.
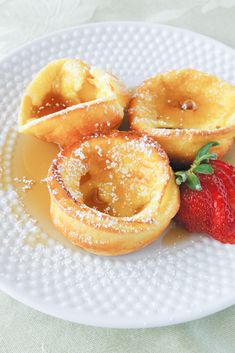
[112, 194]
[183, 110]
[69, 99]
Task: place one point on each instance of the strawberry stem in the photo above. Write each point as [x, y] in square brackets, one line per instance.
[189, 176]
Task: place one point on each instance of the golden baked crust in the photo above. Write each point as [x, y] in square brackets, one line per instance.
[112, 194]
[183, 110]
[69, 99]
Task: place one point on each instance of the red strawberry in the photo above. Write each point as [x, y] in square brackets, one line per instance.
[226, 173]
[208, 197]
[195, 203]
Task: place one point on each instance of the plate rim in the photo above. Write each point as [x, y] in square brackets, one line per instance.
[116, 23]
[67, 314]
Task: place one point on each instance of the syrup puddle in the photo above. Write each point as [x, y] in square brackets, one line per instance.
[176, 235]
[31, 161]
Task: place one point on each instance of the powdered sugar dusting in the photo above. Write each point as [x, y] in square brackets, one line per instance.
[112, 179]
[26, 184]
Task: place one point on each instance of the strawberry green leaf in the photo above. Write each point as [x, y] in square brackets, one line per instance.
[204, 169]
[188, 176]
[206, 157]
[205, 149]
[193, 182]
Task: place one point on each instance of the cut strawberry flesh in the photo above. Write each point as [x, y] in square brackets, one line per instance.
[223, 221]
[226, 173]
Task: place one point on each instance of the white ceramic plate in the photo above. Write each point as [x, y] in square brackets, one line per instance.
[165, 283]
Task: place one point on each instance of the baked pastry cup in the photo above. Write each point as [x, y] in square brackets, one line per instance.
[112, 194]
[69, 99]
[183, 110]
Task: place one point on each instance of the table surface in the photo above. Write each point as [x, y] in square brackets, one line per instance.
[23, 329]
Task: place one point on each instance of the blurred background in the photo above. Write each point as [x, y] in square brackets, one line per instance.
[23, 20]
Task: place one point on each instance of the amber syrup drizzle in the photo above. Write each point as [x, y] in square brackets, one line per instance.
[175, 235]
[31, 161]
[52, 103]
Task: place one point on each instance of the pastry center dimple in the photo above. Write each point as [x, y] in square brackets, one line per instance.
[188, 104]
[52, 103]
[94, 200]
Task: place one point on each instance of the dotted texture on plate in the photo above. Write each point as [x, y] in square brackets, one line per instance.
[156, 286]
